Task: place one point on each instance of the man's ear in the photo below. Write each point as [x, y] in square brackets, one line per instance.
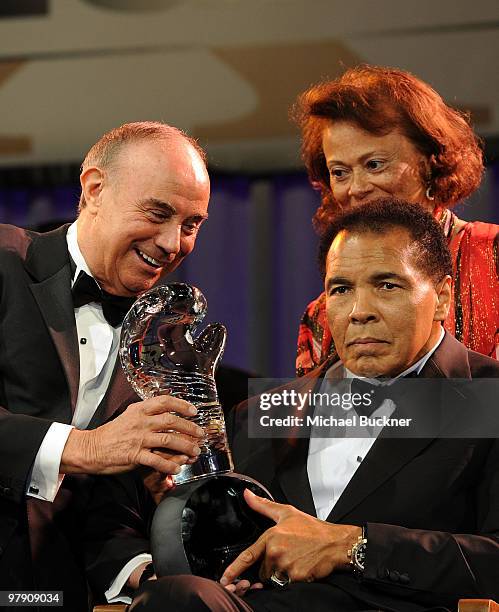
[444, 295]
[91, 181]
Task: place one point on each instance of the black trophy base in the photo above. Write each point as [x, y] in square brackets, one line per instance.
[202, 526]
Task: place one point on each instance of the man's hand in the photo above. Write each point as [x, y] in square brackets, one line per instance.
[133, 580]
[303, 547]
[147, 433]
[158, 484]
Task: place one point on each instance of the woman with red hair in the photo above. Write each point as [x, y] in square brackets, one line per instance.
[376, 132]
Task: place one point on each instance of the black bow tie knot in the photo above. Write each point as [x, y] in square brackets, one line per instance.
[114, 307]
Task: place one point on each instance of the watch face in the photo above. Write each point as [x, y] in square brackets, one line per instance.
[360, 556]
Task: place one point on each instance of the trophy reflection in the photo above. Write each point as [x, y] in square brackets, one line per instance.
[204, 523]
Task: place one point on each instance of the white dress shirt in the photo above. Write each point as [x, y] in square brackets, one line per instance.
[332, 462]
[98, 347]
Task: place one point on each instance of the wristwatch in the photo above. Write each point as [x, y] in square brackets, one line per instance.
[357, 554]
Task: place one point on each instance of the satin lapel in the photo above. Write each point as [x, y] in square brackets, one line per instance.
[291, 454]
[56, 306]
[450, 360]
[293, 477]
[118, 395]
[48, 261]
[388, 455]
[385, 458]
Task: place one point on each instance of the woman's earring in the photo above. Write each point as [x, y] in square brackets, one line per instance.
[429, 193]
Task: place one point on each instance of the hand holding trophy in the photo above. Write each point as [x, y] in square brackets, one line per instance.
[203, 524]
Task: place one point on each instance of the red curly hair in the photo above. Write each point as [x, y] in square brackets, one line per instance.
[379, 100]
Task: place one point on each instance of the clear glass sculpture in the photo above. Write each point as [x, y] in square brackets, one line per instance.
[160, 355]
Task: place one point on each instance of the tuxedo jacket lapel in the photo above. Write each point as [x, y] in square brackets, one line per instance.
[450, 360]
[48, 263]
[385, 458]
[292, 453]
[56, 307]
[118, 396]
[293, 477]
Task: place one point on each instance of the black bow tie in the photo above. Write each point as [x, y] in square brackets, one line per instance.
[114, 307]
[378, 393]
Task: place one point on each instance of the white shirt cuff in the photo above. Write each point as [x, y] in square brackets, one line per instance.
[113, 593]
[45, 477]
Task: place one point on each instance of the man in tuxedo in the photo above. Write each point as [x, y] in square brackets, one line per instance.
[380, 522]
[144, 196]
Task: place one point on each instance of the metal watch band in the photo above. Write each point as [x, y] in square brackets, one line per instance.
[357, 553]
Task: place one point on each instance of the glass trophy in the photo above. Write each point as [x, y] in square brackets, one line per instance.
[160, 355]
[204, 523]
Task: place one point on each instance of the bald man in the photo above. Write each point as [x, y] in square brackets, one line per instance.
[144, 196]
